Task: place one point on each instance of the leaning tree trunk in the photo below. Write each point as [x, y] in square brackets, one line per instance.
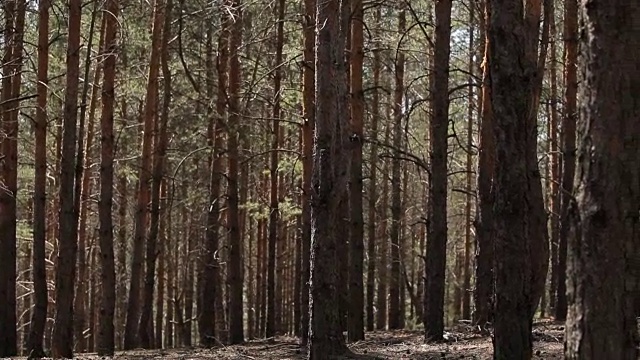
[131, 334]
[603, 265]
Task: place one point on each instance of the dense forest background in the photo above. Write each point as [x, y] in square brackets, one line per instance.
[178, 173]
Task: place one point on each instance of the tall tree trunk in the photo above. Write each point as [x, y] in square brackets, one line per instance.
[162, 268]
[437, 214]
[396, 183]
[273, 178]
[603, 265]
[308, 126]
[235, 269]
[518, 244]
[383, 257]
[568, 149]
[145, 328]
[82, 187]
[466, 287]
[67, 239]
[373, 195]
[144, 175]
[209, 287]
[39, 268]
[554, 178]
[106, 331]
[11, 83]
[356, 238]
[329, 179]
[483, 293]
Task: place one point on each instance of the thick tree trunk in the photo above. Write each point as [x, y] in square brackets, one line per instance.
[330, 177]
[517, 196]
[39, 271]
[603, 255]
[67, 240]
[434, 290]
[106, 332]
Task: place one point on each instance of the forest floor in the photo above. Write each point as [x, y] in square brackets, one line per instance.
[464, 342]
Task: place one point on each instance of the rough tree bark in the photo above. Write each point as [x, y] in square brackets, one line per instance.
[603, 264]
[329, 182]
[67, 240]
[434, 290]
[106, 332]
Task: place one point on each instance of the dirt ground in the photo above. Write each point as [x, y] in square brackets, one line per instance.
[464, 342]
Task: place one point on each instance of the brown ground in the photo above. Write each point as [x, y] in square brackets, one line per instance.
[464, 343]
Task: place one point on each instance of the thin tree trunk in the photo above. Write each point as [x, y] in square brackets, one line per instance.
[568, 149]
[145, 328]
[483, 293]
[82, 181]
[373, 195]
[67, 238]
[466, 284]
[132, 330]
[106, 332]
[210, 287]
[273, 178]
[308, 126]
[356, 238]
[554, 181]
[235, 268]
[396, 183]
[383, 251]
[39, 268]
[162, 268]
[437, 214]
